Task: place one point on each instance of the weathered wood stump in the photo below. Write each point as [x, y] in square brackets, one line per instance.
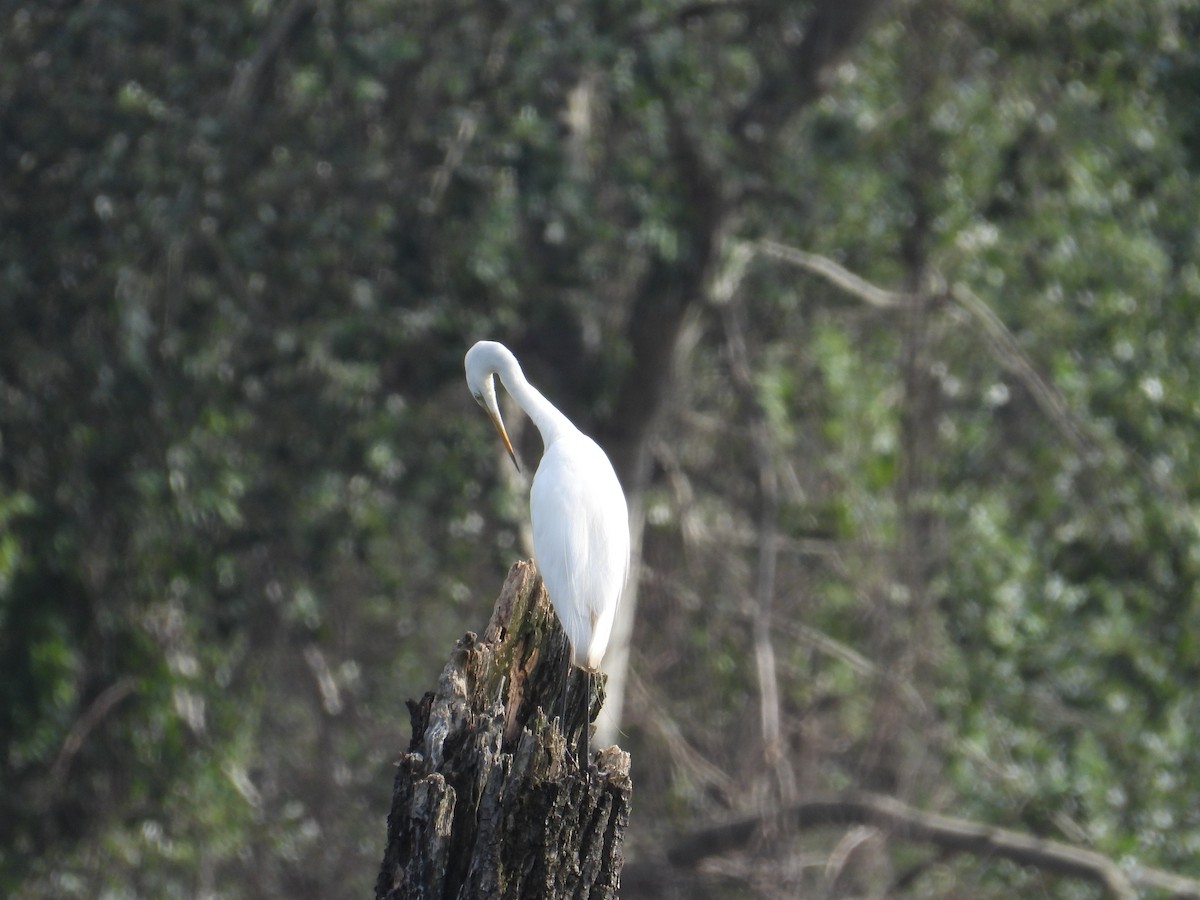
[489, 801]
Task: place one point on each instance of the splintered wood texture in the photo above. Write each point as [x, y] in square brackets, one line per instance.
[490, 800]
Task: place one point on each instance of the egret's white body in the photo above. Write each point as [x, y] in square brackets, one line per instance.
[580, 521]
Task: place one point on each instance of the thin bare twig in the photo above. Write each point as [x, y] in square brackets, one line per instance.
[683, 753]
[1000, 341]
[741, 375]
[248, 91]
[104, 703]
[909, 695]
[836, 274]
[1009, 353]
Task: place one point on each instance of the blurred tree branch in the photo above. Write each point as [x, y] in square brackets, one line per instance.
[834, 27]
[741, 377]
[965, 306]
[1000, 341]
[1009, 353]
[836, 274]
[251, 80]
[949, 834]
[672, 287]
[97, 710]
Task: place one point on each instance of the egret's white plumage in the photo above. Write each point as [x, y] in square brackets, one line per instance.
[580, 522]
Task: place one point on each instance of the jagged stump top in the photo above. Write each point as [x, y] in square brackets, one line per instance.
[487, 801]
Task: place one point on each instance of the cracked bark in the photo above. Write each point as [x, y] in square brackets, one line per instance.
[487, 800]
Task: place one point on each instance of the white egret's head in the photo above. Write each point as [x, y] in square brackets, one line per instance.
[483, 362]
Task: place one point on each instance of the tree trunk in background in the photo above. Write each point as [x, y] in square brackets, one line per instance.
[488, 800]
[671, 289]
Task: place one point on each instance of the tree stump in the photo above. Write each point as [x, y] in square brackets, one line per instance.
[488, 801]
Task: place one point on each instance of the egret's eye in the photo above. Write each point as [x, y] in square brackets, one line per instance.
[479, 399]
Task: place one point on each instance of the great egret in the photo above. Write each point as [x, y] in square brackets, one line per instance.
[580, 522]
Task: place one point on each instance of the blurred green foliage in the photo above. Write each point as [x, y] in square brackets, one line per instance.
[246, 505]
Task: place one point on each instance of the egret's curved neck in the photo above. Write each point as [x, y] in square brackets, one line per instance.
[549, 421]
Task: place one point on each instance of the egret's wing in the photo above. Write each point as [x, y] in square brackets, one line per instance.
[581, 541]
